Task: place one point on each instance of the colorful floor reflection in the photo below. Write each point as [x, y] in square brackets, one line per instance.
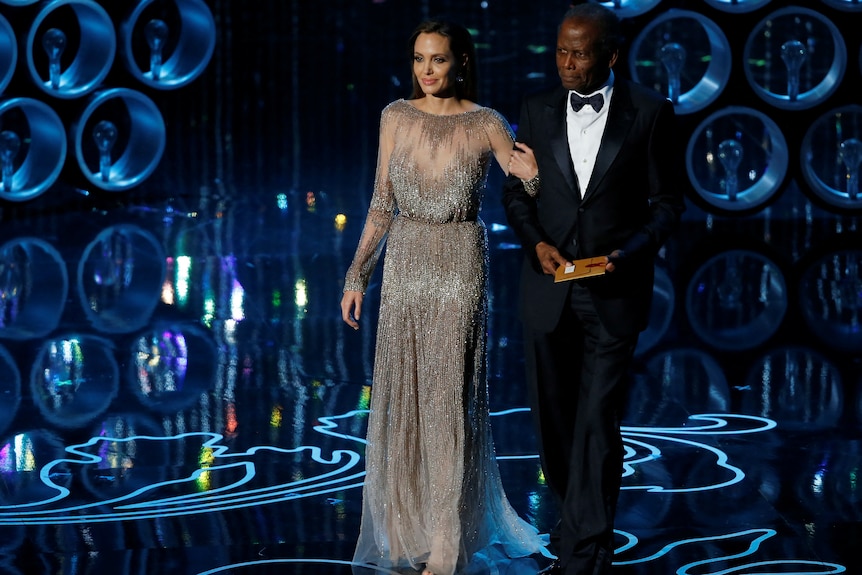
[180, 396]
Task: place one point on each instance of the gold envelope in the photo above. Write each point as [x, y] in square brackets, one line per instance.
[584, 268]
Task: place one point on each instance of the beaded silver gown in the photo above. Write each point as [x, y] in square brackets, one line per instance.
[432, 493]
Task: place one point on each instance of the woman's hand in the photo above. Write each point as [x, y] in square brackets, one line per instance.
[522, 162]
[351, 308]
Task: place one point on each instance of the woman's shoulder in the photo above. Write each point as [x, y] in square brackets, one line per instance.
[480, 110]
[492, 116]
[491, 113]
[395, 105]
[395, 112]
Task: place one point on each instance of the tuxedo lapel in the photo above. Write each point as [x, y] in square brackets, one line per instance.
[620, 119]
[555, 114]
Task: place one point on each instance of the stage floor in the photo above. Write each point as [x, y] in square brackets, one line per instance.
[180, 396]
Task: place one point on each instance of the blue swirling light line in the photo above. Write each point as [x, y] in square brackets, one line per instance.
[761, 536]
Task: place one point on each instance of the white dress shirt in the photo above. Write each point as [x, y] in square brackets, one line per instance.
[584, 130]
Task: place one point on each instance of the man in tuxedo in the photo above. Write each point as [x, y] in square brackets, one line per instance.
[600, 178]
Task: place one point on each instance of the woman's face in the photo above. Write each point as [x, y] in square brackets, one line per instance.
[434, 65]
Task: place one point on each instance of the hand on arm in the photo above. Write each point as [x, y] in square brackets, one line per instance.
[522, 162]
[521, 205]
[523, 165]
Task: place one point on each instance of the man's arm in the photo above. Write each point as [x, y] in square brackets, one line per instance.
[666, 197]
[521, 208]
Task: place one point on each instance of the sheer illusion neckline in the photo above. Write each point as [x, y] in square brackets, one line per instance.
[479, 108]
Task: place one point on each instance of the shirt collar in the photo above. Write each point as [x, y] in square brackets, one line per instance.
[605, 89]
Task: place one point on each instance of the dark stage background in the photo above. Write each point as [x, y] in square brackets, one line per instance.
[154, 338]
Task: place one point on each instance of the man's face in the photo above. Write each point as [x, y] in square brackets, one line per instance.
[581, 66]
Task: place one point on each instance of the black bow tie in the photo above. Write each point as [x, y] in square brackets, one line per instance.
[596, 101]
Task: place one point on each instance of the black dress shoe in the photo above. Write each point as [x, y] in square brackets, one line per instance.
[555, 568]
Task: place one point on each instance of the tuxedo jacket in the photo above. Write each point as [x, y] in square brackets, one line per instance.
[633, 203]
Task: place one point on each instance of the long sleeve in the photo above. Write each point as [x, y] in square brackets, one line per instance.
[500, 137]
[380, 214]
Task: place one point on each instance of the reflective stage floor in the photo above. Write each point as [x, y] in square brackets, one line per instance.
[180, 396]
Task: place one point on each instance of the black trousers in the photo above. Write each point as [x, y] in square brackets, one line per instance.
[577, 377]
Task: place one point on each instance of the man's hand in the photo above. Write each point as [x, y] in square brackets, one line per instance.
[550, 258]
[616, 257]
[351, 308]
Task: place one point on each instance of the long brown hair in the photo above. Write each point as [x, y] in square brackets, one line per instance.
[461, 44]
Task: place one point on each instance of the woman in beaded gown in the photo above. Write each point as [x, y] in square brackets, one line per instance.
[432, 499]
